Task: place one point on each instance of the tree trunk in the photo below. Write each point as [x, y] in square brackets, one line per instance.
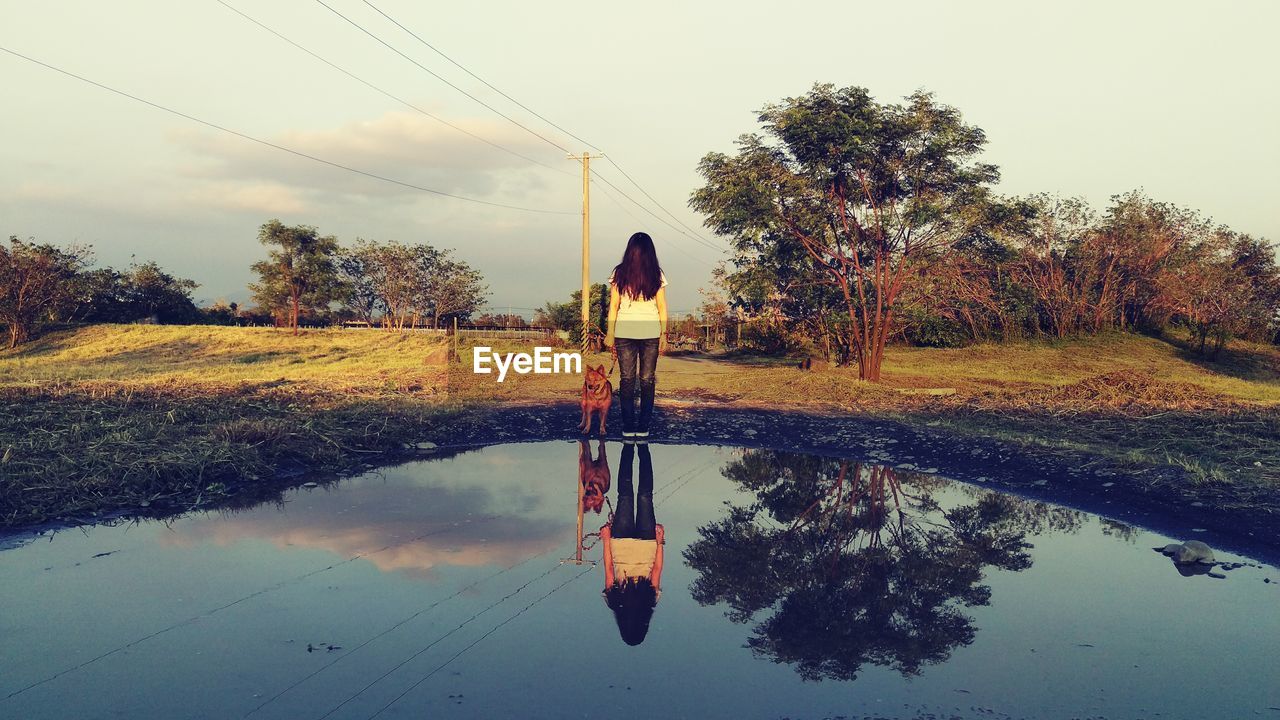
[16, 334]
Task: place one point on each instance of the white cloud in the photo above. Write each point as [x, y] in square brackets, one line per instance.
[42, 191]
[259, 197]
[404, 146]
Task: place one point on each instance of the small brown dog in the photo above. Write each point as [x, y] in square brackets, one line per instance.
[594, 476]
[597, 396]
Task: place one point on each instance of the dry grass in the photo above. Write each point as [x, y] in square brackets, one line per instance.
[1244, 372]
[1134, 400]
[154, 355]
[77, 452]
[113, 417]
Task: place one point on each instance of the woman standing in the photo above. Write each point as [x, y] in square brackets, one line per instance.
[638, 327]
[633, 551]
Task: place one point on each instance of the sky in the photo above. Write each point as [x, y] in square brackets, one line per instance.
[1086, 99]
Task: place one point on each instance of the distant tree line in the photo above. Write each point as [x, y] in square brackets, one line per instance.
[386, 283]
[567, 316]
[856, 223]
[42, 283]
[502, 320]
[307, 279]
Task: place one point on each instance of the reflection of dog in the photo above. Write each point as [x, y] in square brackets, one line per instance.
[594, 476]
[597, 395]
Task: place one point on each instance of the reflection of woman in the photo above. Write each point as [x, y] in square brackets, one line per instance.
[633, 551]
[638, 325]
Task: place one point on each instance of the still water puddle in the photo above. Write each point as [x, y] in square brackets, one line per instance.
[793, 586]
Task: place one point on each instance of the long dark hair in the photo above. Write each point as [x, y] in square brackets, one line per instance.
[632, 602]
[639, 274]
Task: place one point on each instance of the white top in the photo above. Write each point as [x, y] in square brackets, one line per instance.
[638, 319]
[633, 557]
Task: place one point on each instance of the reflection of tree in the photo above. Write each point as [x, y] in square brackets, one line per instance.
[1034, 517]
[853, 563]
[1119, 530]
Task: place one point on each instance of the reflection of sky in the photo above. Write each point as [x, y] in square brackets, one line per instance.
[1059, 639]
[479, 511]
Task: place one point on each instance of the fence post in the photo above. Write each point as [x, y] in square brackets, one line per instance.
[455, 337]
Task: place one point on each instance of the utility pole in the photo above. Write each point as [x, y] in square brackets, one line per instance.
[585, 159]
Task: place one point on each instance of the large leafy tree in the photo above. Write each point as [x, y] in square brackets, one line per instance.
[869, 194]
[36, 284]
[301, 271]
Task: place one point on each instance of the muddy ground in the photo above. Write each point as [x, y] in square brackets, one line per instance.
[1156, 498]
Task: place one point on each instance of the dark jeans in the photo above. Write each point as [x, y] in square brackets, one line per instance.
[642, 525]
[638, 363]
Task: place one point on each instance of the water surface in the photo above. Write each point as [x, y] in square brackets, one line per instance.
[795, 586]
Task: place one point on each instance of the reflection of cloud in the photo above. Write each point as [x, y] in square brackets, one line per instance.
[402, 145]
[404, 527]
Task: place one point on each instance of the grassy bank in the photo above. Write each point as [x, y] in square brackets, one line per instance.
[127, 417]
[1129, 399]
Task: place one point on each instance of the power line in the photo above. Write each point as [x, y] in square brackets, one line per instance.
[487, 84]
[691, 233]
[432, 606]
[435, 642]
[392, 628]
[282, 148]
[691, 474]
[398, 99]
[475, 616]
[233, 603]
[478, 640]
[642, 224]
[652, 199]
[436, 75]
[657, 217]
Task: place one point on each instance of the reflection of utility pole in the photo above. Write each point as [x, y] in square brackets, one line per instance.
[579, 539]
[585, 159]
[581, 510]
